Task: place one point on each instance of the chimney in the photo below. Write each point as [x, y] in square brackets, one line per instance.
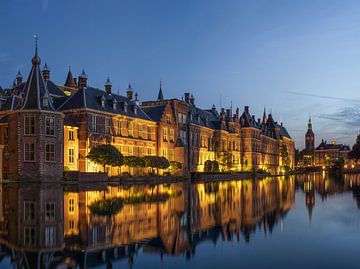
[187, 97]
[129, 92]
[19, 79]
[108, 86]
[247, 109]
[46, 72]
[82, 80]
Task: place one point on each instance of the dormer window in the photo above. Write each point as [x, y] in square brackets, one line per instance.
[125, 107]
[102, 101]
[114, 104]
[135, 110]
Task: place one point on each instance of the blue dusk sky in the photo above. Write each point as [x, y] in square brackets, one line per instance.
[294, 57]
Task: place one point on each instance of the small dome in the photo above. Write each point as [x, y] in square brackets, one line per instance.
[36, 60]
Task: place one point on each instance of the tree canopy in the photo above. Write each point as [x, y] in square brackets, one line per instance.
[355, 152]
[106, 155]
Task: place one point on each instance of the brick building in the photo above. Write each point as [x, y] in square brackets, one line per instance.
[46, 128]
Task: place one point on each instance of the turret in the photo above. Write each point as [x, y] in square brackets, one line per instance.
[160, 94]
[46, 72]
[19, 78]
[129, 92]
[83, 80]
[108, 86]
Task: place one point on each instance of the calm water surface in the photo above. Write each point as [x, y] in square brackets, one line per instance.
[307, 221]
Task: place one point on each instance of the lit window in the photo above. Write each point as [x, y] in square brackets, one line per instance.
[71, 134]
[71, 155]
[29, 125]
[71, 205]
[50, 126]
[29, 211]
[50, 211]
[119, 127]
[50, 152]
[130, 129]
[172, 135]
[29, 151]
[165, 134]
[140, 130]
[107, 125]
[168, 118]
[72, 225]
[164, 152]
[149, 132]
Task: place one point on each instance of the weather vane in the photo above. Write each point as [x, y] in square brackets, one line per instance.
[36, 42]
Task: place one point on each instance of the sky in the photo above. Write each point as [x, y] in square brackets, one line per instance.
[293, 57]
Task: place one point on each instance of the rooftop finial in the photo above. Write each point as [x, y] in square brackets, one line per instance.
[36, 44]
[36, 59]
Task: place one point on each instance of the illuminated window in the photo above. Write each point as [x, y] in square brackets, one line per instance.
[172, 135]
[29, 211]
[165, 134]
[29, 125]
[72, 224]
[164, 152]
[50, 211]
[71, 134]
[139, 130]
[29, 151]
[71, 155]
[49, 125]
[168, 118]
[71, 205]
[119, 127]
[107, 125]
[131, 150]
[50, 152]
[149, 132]
[130, 129]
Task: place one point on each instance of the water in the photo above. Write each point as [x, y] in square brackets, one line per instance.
[310, 221]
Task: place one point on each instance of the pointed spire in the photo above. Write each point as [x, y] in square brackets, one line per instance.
[264, 120]
[309, 123]
[36, 92]
[160, 94]
[70, 81]
[83, 80]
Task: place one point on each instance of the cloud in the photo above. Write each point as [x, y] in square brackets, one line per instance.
[323, 96]
[345, 116]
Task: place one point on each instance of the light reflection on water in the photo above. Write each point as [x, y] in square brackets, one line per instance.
[304, 221]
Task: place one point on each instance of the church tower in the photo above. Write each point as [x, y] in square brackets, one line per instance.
[309, 138]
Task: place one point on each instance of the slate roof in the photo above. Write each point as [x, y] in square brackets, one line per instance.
[54, 89]
[36, 92]
[204, 118]
[325, 146]
[91, 98]
[9, 103]
[155, 112]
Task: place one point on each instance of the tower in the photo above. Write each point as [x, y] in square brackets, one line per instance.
[309, 138]
[36, 146]
[108, 86]
[129, 92]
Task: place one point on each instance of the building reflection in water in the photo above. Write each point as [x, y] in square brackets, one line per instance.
[43, 226]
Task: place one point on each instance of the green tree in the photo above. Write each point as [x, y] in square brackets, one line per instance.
[354, 154]
[134, 161]
[106, 155]
[225, 159]
[285, 158]
[175, 165]
[211, 166]
[156, 162]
